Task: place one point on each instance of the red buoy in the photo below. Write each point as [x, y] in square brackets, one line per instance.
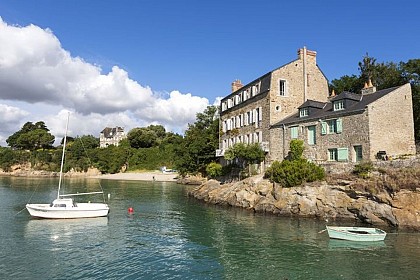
[130, 210]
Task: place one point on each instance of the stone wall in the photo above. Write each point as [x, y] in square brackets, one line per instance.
[391, 124]
[355, 132]
[317, 88]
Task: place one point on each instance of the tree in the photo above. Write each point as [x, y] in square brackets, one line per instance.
[31, 137]
[200, 142]
[142, 138]
[346, 83]
[214, 169]
[411, 73]
[158, 129]
[111, 159]
[245, 154]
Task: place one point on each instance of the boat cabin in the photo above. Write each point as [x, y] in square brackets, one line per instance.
[63, 203]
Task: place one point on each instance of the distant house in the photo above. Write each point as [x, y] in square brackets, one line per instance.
[111, 136]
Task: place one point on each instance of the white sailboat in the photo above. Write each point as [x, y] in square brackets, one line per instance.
[64, 207]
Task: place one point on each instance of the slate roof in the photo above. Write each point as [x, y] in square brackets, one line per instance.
[313, 104]
[347, 95]
[265, 81]
[110, 132]
[328, 112]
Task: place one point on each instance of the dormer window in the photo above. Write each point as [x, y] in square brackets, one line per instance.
[339, 105]
[303, 112]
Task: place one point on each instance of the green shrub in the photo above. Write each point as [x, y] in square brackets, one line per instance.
[296, 149]
[293, 173]
[214, 170]
[363, 169]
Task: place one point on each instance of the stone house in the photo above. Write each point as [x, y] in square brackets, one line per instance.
[247, 114]
[111, 136]
[350, 127]
[293, 102]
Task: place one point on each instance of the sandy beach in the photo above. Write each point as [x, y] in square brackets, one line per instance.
[141, 176]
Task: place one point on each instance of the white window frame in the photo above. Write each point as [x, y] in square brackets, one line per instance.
[303, 112]
[282, 87]
[339, 105]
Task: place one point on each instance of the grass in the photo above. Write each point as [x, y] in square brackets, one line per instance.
[384, 179]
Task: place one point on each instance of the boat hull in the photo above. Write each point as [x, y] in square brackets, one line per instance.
[82, 210]
[356, 233]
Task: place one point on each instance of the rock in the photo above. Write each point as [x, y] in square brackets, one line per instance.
[406, 208]
[191, 180]
[316, 200]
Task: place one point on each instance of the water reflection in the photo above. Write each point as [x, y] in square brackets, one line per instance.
[39, 228]
[363, 245]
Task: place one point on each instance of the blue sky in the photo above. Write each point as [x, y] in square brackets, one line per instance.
[134, 63]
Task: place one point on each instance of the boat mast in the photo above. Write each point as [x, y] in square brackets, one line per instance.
[62, 156]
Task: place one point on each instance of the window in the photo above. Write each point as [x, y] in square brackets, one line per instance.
[332, 126]
[304, 112]
[224, 106]
[312, 135]
[255, 89]
[358, 152]
[339, 105]
[282, 87]
[294, 132]
[332, 154]
[339, 154]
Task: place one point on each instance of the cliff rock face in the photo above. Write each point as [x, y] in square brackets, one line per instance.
[401, 209]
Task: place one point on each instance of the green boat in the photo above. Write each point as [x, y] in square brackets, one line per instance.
[356, 233]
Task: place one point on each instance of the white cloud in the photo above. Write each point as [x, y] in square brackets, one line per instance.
[10, 118]
[35, 69]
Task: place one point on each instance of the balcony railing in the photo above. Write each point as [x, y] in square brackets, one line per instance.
[265, 146]
[220, 152]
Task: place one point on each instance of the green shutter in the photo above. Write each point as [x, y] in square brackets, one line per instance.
[343, 154]
[311, 135]
[339, 125]
[323, 128]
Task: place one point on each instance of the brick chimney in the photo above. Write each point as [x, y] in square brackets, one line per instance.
[368, 88]
[237, 84]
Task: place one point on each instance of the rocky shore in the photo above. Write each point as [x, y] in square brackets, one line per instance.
[319, 200]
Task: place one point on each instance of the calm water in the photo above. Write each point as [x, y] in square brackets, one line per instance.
[171, 236]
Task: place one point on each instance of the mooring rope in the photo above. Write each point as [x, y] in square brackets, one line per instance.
[28, 199]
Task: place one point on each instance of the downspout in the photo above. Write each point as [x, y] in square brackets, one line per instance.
[284, 141]
[305, 78]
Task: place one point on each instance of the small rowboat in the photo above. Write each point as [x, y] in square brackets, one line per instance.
[356, 233]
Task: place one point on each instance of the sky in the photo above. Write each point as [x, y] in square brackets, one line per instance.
[132, 63]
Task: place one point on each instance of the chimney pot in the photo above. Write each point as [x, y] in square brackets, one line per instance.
[237, 84]
[368, 88]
